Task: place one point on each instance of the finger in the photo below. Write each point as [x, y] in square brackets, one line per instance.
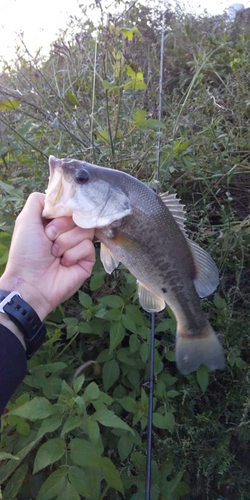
[32, 209]
[70, 239]
[58, 226]
[84, 251]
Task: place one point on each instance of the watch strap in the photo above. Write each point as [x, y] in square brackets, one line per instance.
[25, 318]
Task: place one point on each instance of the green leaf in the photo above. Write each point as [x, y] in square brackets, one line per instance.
[14, 484]
[85, 299]
[109, 419]
[127, 33]
[36, 409]
[86, 481]
[53, 484]
[69, 492]
[136, 315]
[23, 427]
[51, 451]
[7, 456]
[134, 378]
[97, 280]
[172, 394]
[139, 116]
[144, 352]
[111, 474]
[202, 377]
[93, 430]
[134, 343]
[104, 136]
[78, 383]
[51, 424]
[166, 325]
[125, 446]
[113, 315]
[71, 423]
[114, 301]
[117, 333]
[129, 323]
[84, 453]
[72, 326]
[50, 367]
[72, 98]
[9, 105]
[109, 85]
[86, 328]
[151, 123]
[219, 302]
[92, 392]
[137, 83]
[129, 404]
[166, 421]
[110, 373]
[170, 356]
[104, 356]
[144, 332]
[122, 355]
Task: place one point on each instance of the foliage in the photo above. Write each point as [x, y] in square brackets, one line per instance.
[96, 97]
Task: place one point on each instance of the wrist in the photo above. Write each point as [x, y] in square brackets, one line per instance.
[29, 293]
[8, 323]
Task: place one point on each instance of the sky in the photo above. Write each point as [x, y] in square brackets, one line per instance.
[41, 20]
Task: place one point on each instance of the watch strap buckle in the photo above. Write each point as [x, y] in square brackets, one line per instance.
[7, 300]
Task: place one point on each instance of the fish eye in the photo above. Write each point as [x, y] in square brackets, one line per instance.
[81, 176]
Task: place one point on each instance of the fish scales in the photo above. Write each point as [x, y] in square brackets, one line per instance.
[146, 233]
[156, 263]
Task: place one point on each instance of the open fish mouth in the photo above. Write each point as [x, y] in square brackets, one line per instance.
[82, 191]
[58, 193]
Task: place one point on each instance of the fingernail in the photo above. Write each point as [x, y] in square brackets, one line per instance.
[51, 232]
[55, 249]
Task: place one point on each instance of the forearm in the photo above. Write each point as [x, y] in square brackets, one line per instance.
[13, 365]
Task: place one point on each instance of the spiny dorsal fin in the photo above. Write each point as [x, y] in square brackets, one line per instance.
[176, 208]
[207, 275]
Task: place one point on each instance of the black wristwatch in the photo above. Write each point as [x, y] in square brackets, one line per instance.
[25, 318]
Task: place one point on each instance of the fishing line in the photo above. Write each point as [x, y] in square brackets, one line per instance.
[151, 376]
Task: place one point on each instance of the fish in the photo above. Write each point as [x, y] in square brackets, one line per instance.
[145, 232]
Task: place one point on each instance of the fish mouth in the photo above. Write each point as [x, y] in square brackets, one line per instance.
[59, 191]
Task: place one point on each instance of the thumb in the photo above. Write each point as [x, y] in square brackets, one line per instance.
[33, 208]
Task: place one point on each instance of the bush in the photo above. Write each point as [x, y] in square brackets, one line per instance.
[96, 98]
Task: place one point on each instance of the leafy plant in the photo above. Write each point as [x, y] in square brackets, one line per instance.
[77, 427]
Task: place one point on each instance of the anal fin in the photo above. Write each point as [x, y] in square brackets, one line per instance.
[108, 260]
[148, 300]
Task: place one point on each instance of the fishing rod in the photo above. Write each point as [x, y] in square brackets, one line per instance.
[151, 376]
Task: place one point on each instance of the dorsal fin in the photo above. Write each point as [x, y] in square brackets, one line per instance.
[207, 275]
[176, 208]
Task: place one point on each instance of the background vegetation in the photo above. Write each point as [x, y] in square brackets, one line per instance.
[96, 98]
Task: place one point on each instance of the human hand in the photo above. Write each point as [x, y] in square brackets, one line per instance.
[48, 262]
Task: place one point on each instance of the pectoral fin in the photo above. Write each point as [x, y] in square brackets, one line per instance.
[108, 260]
[148, 300]
[207, 274]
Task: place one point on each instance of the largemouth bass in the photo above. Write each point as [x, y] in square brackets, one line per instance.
[146, 233]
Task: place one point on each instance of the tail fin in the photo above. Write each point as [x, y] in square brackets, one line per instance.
[194, 350]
